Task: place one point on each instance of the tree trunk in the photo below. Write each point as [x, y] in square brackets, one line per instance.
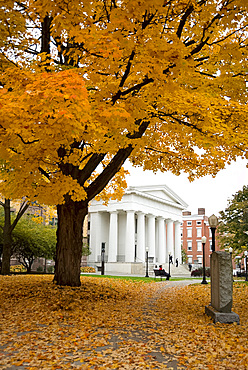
[7, 240]
[29, 268]
[69, 242]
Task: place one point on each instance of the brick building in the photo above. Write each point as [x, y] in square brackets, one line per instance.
[193, 228]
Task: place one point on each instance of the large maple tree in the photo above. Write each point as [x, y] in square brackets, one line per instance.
[88, 84]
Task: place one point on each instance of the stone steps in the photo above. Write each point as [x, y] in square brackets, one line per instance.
[174, 271]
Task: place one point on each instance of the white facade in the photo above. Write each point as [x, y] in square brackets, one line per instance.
[147, 217]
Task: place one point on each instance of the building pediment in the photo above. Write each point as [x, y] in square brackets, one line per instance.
[159, 193]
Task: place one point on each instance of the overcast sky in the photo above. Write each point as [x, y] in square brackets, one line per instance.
[207, 192]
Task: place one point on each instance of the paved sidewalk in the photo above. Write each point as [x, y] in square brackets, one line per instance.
[179, 283]
[141, 335]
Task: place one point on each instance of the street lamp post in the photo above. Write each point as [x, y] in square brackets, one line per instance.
[147, 250]
[240, 266]
[213, 222]
[246, 266]
[103, 254]
[204, 239]
[230, 251]
[169, 263]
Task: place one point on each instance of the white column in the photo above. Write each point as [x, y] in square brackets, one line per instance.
[178, 242]
[130, 237]
[151, 241]
[169, 240]
[95, 236]
[161, 241]
[113, 237]
[141, 237]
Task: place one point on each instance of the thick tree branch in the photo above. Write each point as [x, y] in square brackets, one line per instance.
[90, 167]
[30, 51]
[27, 142]
[191, 125]
[106, 10]
[24, 206]
[147, 19]
[82, 175]
[127, 71]
[198, 48]
[141, 129]
[169, 153]
[206, 74]
[183, 20]
[115, 164]
[108, 173]
[43, 172]
[46, 34]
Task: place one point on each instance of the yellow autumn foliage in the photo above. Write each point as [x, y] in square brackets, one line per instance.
[116, 324]
[87, 85]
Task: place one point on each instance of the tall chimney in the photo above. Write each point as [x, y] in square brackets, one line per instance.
[201, 211]
[186, 213]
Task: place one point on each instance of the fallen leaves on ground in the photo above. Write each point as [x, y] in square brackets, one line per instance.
[116, 324]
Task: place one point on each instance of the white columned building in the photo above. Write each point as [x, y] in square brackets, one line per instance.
[177, 241]
[161, 240]
[151, 241]
[113, 236]
[170, 239]
[140, 257]
[146, 217]
[130, 236]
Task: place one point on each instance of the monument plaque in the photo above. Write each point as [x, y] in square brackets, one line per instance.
[221, 270]
[221, 282]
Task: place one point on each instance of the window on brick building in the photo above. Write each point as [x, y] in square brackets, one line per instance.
[189, 233]
[189, 246]
[190, 259]
[199, 246]
[198, 222]
[199, 259]
[189, 223]
[199, 232]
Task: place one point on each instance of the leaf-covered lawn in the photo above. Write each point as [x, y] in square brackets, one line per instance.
[116, 324]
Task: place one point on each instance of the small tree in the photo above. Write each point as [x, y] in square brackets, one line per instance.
[32, 240]
[184, 256]
[7, 227]
[233, 222]
[86, 250]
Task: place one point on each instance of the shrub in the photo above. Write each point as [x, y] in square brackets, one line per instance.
[17, 268]
[199, 272]
[50, 269]
[88, 269]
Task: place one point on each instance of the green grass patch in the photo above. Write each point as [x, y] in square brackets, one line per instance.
[240, 282]
[132, 278]
[137, 278]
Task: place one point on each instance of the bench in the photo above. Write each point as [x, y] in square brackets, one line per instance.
[161, 274]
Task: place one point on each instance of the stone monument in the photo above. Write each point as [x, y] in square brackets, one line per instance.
[221, 271]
